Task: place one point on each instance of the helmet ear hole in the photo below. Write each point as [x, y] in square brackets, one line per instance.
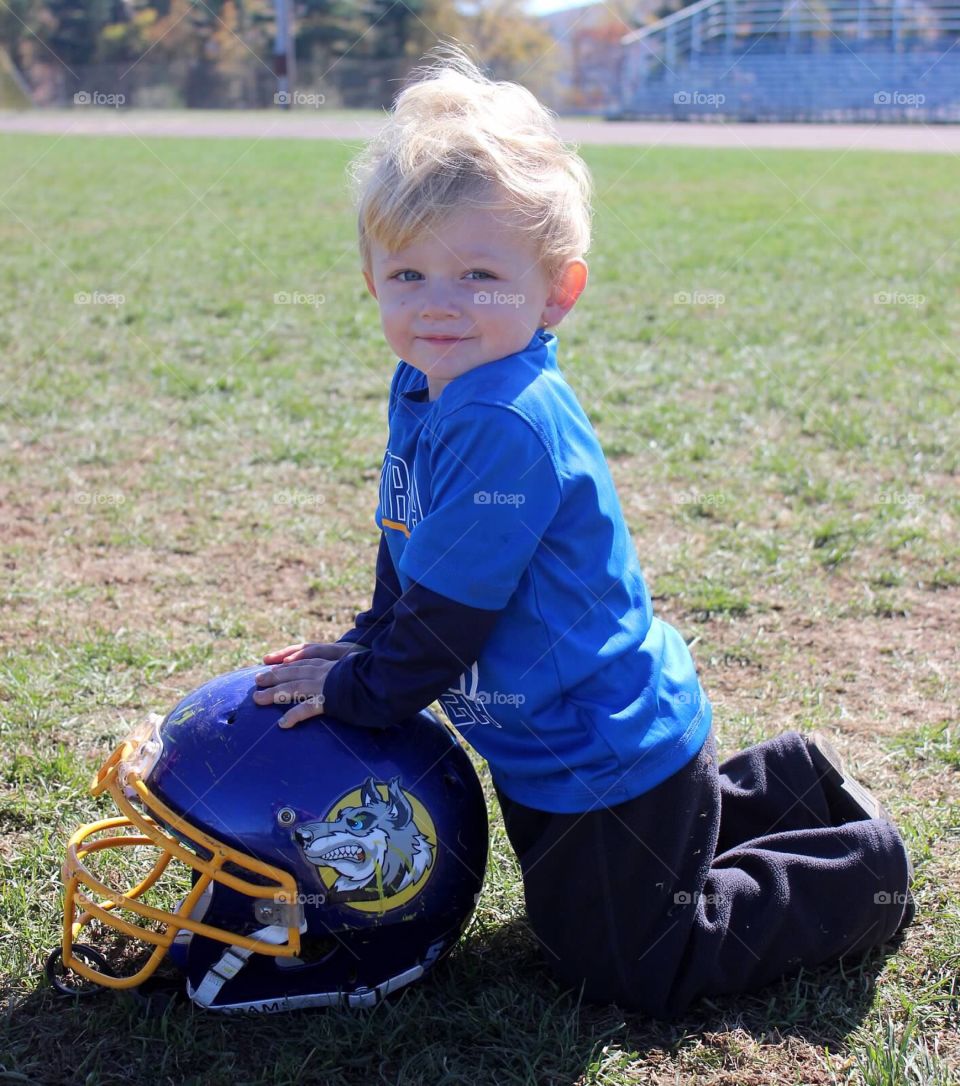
[68, 983]
[315, 949]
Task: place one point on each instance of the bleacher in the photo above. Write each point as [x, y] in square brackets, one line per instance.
[785, 60]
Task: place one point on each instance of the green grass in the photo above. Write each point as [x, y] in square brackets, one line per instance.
[188, 478]
[931, 744]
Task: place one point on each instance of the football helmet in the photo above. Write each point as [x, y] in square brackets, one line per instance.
[327, 864]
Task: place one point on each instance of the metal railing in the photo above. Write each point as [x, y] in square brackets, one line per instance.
[729, 26]
[797, 60]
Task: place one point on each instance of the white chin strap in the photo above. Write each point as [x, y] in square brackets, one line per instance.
[234, 958]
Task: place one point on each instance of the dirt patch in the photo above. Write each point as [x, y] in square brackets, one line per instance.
[780, 662]
[62, 571]
[879, 674]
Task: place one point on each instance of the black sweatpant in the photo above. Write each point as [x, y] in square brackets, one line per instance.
[716, 881]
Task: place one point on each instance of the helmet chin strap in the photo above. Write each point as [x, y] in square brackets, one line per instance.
[235, 958]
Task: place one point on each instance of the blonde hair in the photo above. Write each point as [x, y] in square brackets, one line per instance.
[455, 138]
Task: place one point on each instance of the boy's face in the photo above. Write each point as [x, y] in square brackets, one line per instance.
[467, 294]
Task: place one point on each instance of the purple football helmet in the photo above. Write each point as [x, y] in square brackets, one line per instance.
[329, 864]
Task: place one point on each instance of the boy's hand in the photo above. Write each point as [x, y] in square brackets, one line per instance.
[310, 650]
[301, 683]
[298, 675]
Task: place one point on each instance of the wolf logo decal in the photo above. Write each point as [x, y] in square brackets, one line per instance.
[375, 849]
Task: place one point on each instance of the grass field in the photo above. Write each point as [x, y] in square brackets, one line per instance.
[188, 473]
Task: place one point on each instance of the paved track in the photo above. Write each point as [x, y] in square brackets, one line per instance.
[303, 124]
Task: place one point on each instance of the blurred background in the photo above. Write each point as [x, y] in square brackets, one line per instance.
[747, 60]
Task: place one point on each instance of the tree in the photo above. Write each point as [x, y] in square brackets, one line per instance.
[71, 30]
[128, 38]
[512, 44]
[393, 23]
[17, 19]
[327, 29]
[436, 20]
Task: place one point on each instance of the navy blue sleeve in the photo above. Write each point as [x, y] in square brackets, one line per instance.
[429, 642]
[386, 591]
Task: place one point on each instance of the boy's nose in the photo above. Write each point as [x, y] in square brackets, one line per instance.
[439, 307]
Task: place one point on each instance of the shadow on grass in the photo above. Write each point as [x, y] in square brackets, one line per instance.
[488, 1014]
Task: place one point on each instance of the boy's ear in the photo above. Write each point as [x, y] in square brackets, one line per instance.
[370, 286]
[566, 290]
[572, 281]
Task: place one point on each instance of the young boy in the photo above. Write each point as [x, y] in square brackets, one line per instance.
[508, 588]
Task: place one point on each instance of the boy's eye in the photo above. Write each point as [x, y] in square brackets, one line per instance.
[409, 271]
